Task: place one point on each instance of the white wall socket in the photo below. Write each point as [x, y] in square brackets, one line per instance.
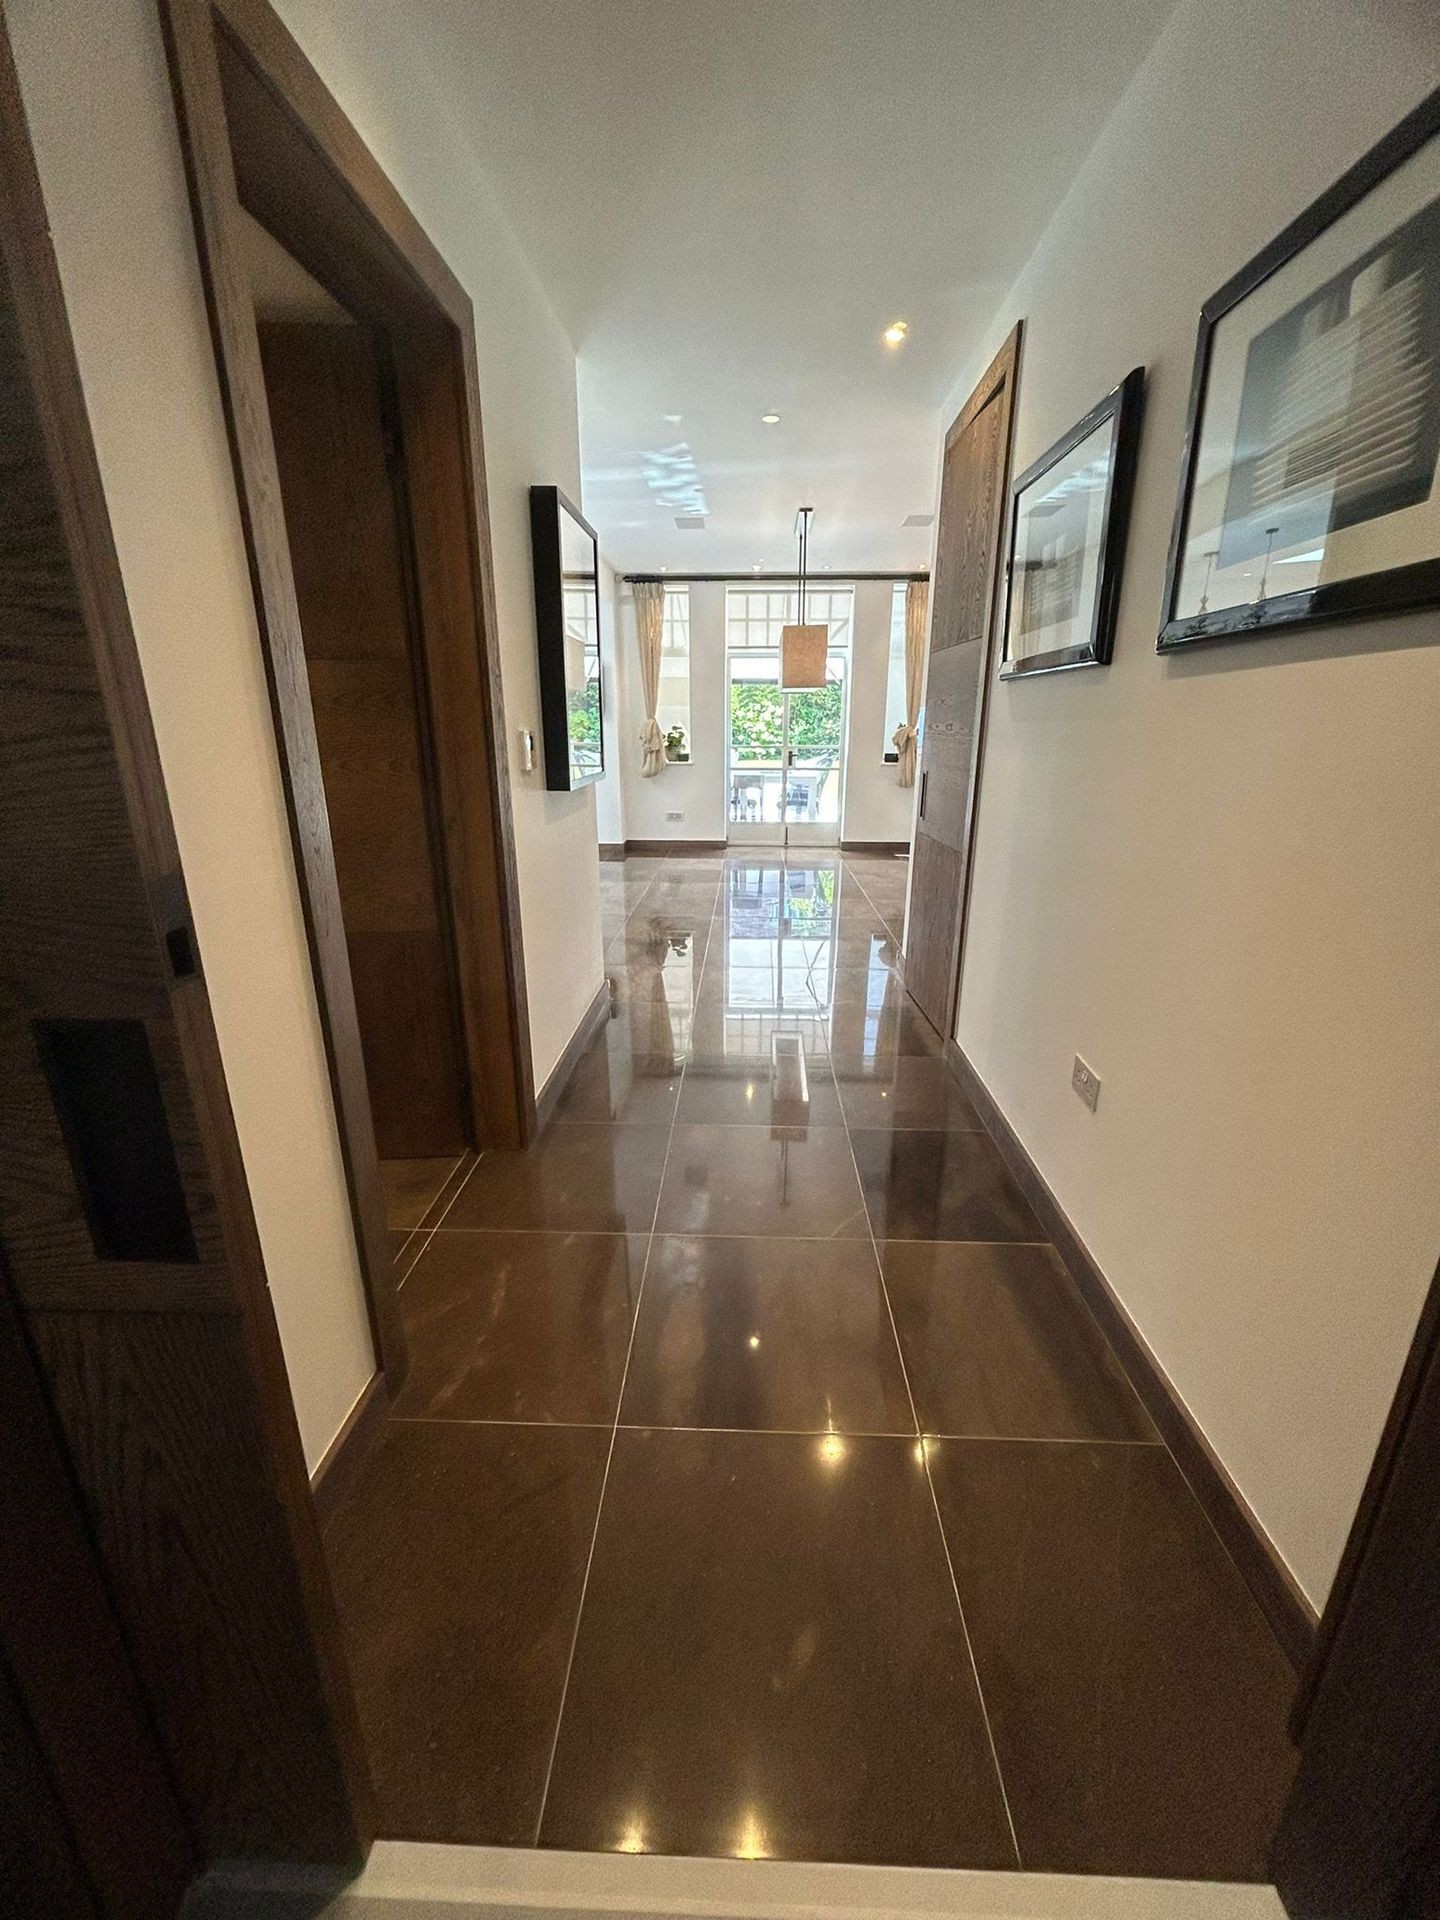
[1086, 1082]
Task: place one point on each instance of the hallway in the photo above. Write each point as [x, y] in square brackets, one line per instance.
[761, 1485]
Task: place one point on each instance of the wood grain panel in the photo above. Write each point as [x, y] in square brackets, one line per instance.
[972, 491]
[41, 1873]
[189, 1471]
[344, 516]
[159, 1415]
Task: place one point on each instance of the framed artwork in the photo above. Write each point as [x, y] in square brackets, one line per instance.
[566, 556]
[1308, 480]
[1068, 519]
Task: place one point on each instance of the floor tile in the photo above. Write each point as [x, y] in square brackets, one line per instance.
[457, 1561]
[938, 1186]
[881, 1033]
[579, 1177]
[761, 1180]
[771, 1662]
[520, 1326]
[781, 1334]
[904, 1090]
[408, 1188]
[1137, 1697]
[997, 1341]
[611, 1083]
[757, 1093]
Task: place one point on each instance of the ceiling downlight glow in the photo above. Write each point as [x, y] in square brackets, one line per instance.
[897, 333]
[770, 419]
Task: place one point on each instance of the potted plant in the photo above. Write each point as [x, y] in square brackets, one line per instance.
[677, 747]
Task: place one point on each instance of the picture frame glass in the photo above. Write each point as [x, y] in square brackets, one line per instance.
[1057, 551]
[580, 600]
[1317, 446]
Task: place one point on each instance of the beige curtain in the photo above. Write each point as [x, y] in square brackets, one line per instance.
[917, 607]
[649, 619]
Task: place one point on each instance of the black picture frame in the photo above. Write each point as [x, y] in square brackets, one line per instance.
[1400, 589]
[1123, 405]
[572, 723]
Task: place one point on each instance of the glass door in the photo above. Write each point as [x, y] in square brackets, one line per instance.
[785, 753]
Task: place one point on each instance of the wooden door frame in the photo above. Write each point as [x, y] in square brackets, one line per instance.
[996, 385]
[259, 129]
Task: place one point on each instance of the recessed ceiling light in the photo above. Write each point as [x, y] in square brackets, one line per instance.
[673, 419]
[664, 569]
[896, 333]
[770, 419]
[757, 566]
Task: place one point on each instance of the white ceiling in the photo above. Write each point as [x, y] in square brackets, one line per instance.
[727, 200]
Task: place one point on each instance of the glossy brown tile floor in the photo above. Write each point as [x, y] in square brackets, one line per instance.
[762, 1484]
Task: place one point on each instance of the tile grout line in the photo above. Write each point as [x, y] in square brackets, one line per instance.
[781, 1433]
[920, 1441]
[419, 1226]
[444, 1214]
[610, 1453]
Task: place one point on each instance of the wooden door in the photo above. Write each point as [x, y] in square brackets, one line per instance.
[1360, 1837]
[972, 503]
[73, 1722]
[125, 1222]
[342, 485]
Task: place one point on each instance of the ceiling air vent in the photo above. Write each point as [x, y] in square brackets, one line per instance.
[690, 522]
[918, 520]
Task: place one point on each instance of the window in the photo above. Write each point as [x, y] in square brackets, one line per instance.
[755, 615]
[895, 674]
[672, 707]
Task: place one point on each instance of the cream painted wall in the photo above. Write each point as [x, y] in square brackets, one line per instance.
[1218, 878]
[875, 807]
[97, 94]
[695, 788]
[373, 61]
[97, 90]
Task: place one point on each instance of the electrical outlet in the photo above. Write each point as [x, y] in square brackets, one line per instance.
[674, 816]
[1086, 1083]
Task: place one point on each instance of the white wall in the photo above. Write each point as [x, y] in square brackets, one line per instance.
[695, 788]
[98, 94]
[875, 807]
[1218, 877]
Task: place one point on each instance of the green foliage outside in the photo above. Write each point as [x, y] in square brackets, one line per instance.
[757, 721]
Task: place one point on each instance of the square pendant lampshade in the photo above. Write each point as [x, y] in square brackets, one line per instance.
[802, 656]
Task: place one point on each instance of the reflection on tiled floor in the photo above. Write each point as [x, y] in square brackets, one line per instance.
[762, 1485]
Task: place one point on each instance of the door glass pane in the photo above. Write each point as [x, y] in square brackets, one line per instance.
[757, 730]
[817, 739]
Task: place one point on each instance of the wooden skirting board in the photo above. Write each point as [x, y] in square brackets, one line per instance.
[875, 846]
[594, 1018]
[612, 849]
[677, 847]
[1291, 1617]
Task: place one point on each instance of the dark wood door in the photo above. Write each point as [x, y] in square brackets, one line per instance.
[342, 485]
[972, 498]
[129, 1246]
[1360, 1837]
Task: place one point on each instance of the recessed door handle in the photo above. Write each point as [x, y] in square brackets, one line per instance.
[924, 784]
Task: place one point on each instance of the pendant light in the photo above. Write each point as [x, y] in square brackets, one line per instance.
[803, 648]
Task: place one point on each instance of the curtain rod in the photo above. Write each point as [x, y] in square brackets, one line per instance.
[836, 577]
